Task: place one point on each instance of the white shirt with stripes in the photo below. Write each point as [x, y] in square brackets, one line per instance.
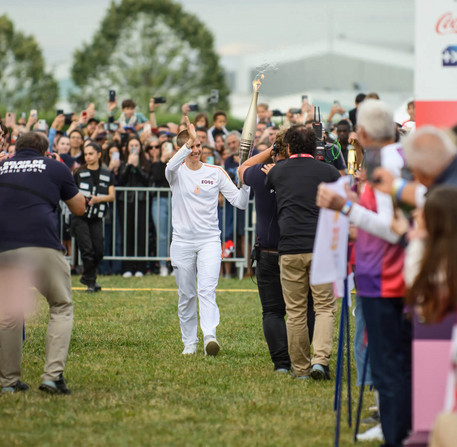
[195, 198]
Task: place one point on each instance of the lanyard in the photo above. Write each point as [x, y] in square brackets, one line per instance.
[301, 156]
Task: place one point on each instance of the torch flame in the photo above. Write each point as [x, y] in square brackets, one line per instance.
[257, 83]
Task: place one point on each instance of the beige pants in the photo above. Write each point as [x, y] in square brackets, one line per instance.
[52, 278]
[444, 432]
[295, 271]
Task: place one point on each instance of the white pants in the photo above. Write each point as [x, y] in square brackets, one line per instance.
[192, 262]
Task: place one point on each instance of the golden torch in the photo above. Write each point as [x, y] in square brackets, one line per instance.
[249, 127]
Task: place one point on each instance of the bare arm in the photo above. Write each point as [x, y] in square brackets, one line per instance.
[77, 204]
[262, 157]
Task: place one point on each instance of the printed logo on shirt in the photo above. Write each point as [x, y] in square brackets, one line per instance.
[205, 181]
[197, 190]
[14, 166]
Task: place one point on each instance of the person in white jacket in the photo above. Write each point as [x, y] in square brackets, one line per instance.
[196, 244]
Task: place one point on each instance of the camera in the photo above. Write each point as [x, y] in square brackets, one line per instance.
[277, 112]
[112, 96]
[193, 107]
[319, 152]
[160, 100]
[68, 118]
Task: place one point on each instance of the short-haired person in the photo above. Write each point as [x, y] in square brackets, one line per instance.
[196, 246]
[295, 181]
[253, 173]
[96, 183]
[129, 117]
[218, 127]
[31, 186]
[379, 263]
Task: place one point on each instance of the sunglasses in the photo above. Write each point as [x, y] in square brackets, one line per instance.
[154, 147]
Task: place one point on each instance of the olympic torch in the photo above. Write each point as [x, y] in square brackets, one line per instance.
[249, 127]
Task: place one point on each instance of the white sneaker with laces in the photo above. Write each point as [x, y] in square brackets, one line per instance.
[190, 349]
[372, 434]
[127, 275]
[211, 347]
[139, 274]
[163, 270]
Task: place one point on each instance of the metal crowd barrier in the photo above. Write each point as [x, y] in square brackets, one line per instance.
[135, 205]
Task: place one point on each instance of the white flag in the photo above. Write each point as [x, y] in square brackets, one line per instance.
[330, 250]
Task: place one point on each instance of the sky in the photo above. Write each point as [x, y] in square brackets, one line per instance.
[239, 26]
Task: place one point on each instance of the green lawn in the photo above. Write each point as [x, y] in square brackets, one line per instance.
[131, 385]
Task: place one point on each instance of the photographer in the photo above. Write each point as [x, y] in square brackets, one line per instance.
[253, 173]
[296, 181]
[29, 201]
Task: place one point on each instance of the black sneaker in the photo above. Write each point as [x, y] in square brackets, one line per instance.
[55, 386]
[320, 372]
[91, 289]
[96, 286]
[17, 387]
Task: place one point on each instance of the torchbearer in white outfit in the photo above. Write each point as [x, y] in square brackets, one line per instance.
[196, 245]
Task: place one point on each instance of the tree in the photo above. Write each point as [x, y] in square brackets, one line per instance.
[24, 84]
[147, 48]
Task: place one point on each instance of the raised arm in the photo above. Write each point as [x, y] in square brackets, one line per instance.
[177, 159]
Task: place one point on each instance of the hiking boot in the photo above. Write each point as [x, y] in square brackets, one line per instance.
[212, 347]
[55, 386]
[320, 372]
[17, 387]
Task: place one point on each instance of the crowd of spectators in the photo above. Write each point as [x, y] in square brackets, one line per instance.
[136, 149]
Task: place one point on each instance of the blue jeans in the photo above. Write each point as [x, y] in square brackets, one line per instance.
[389, 350]
[161, 218]
[359, 349]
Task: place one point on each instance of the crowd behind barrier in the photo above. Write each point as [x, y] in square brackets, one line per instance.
[115, 235]
[392, 165]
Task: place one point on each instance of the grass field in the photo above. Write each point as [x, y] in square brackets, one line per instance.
[131, 385]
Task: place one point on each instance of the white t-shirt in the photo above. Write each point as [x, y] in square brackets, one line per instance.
[195, 198]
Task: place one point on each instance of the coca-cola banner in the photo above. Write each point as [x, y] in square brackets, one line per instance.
[436, 62]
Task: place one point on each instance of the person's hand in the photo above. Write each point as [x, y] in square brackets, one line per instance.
[112, 105]
[383, 180]
[152, 105]
[134, 159]
[267, 168]
[3, 155]
[90, 110]
[58, 122]
[192, 133]
[326, 198]
[399, 224]
[93, 200]
[83, 117]
[31, 121]
[185, 109]
[114, 165]
[99, 129]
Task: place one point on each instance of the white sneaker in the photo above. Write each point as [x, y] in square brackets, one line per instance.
[211, 347]
[190, 349]
[127, 275]
[372, 434]
[139, 274]
[163, 270]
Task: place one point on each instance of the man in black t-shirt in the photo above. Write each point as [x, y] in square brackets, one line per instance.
[30, 189]
[295, 181]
